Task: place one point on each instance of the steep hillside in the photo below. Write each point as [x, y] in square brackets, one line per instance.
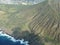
[46, 21]
[42, 19]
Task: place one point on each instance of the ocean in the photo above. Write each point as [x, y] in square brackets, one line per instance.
[9, 40]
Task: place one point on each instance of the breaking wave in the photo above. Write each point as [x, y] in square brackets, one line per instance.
[5, 39]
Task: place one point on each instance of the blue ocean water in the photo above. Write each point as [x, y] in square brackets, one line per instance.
[8, 40]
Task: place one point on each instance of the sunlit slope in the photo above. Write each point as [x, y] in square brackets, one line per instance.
[43, 18]
[47, 19]
[15, 16]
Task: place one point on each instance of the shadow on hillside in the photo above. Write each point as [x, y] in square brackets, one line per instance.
[31, 37]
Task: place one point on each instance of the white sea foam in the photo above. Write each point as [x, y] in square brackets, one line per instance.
[2, 34]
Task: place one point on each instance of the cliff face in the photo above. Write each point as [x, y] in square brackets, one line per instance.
[47, 19]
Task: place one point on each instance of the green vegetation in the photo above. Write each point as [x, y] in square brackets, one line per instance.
[42, 20]
[13, 15]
